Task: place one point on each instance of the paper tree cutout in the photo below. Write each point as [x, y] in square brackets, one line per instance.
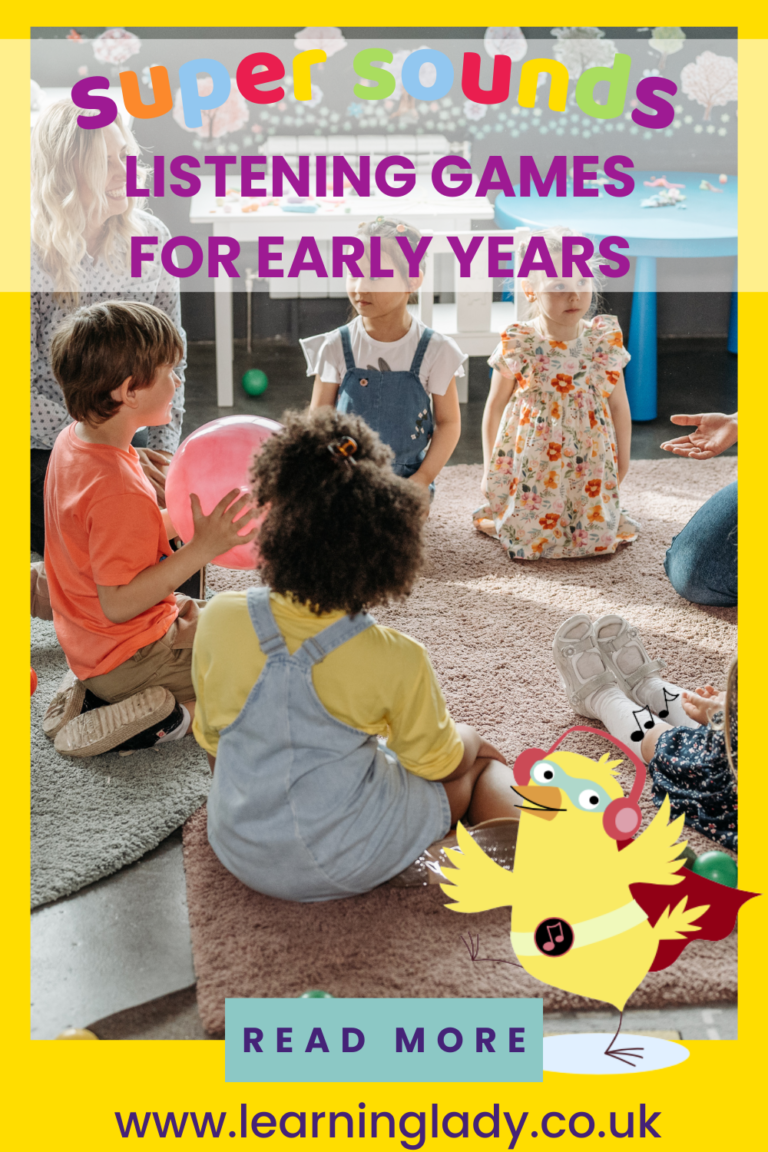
[711, 81]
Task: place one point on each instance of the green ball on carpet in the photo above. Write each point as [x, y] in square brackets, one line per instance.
[718, 867]
[255, 382]
[316, 994]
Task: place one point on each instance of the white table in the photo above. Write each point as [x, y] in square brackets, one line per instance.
[424, 208]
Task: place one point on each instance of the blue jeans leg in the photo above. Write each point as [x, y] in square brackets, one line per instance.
[701, 562]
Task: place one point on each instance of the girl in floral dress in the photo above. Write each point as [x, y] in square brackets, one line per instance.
[557, 426]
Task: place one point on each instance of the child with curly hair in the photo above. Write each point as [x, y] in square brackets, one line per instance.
[557, 426]
[336, 762]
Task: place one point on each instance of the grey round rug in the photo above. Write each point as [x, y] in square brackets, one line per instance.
[92, 817]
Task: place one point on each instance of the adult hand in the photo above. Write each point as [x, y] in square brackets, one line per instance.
[155, 467]
[714, 433]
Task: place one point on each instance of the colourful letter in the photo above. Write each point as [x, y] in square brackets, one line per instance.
[558, 85]
[250, 83]
[618, 79]
[607, 244]
[161, 91]
[495, 166]
[460, 182]
[646, 91]
[170, 247]
[412, 67]
[302, 80]
[611, 168]
[83, 97]
[384, 81]
[537, 246]
[557, 172]
[192, 102]
[579, 259]
[470, 79]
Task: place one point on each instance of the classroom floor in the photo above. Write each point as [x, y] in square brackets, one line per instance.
[80, 944]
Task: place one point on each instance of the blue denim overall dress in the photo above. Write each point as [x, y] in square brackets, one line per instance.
[394, 404]
[304, 807]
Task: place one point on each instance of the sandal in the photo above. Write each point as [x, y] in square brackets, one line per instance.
[71, 700]
[65, 706]
[625, 639]
[130, 724]
[568, 651]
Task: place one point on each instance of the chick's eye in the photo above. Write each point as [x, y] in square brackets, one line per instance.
[543, 773]
[589, 799]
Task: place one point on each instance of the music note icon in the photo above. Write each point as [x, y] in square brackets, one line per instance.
[549, 945]
[647, 724]
[553, 937]
[668, 698]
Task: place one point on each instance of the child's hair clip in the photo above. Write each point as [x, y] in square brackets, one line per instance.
[402, 228]
[343, 449]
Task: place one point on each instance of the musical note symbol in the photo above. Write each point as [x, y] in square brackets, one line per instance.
[549, 945]
[668, 698]
[647, 724]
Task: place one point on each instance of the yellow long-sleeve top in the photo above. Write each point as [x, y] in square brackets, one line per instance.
[381, 681]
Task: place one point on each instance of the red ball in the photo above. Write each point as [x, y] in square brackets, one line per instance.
[33, 677]
[211, 462]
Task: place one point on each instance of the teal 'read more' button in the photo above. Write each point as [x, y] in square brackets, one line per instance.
[329, 1040]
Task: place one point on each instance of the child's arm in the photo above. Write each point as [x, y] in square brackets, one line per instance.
[213, 535]
[474, 746]
[499, 395]
[445, 436]
[622, 423]
[323, 394]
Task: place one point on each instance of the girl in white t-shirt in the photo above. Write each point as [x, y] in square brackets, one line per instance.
[388, 367]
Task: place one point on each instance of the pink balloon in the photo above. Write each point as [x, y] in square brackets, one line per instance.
[211, 462]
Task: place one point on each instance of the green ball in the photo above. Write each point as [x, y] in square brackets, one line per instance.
[255, 382]
[718, 867]
[316, 994]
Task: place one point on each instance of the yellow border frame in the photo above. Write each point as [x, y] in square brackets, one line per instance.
[67, 1095]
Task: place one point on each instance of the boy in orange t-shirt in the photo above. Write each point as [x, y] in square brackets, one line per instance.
[111, 569]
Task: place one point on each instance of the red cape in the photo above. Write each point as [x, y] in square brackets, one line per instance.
[715, 924]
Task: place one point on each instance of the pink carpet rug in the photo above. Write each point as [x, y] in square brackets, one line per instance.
[488, 624]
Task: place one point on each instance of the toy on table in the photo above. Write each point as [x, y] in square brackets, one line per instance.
[718, 867]
[33, 678]
[705, 186]
[668, 197]
[661, 182]
[211, 462]
[294, 203]
[255, 382]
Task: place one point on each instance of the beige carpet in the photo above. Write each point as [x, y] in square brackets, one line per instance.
[488, 624]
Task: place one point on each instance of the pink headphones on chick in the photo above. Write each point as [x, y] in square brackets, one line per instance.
[622, 817]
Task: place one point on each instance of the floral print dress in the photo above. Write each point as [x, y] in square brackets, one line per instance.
[553, 489]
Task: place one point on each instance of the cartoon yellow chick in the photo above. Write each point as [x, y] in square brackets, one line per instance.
[575, 922]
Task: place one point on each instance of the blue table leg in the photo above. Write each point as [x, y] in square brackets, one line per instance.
[640, 374]
[733, 323]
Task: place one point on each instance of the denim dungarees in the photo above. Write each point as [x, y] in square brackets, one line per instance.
[394, 404]
[302, 806]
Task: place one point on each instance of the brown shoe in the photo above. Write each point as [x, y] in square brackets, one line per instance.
[102, 729]
[65, 706]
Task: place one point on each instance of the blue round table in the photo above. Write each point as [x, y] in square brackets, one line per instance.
[705, 227]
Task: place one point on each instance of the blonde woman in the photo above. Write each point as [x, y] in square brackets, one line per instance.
[82, 222]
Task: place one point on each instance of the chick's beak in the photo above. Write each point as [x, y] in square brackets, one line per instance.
[543, 802]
